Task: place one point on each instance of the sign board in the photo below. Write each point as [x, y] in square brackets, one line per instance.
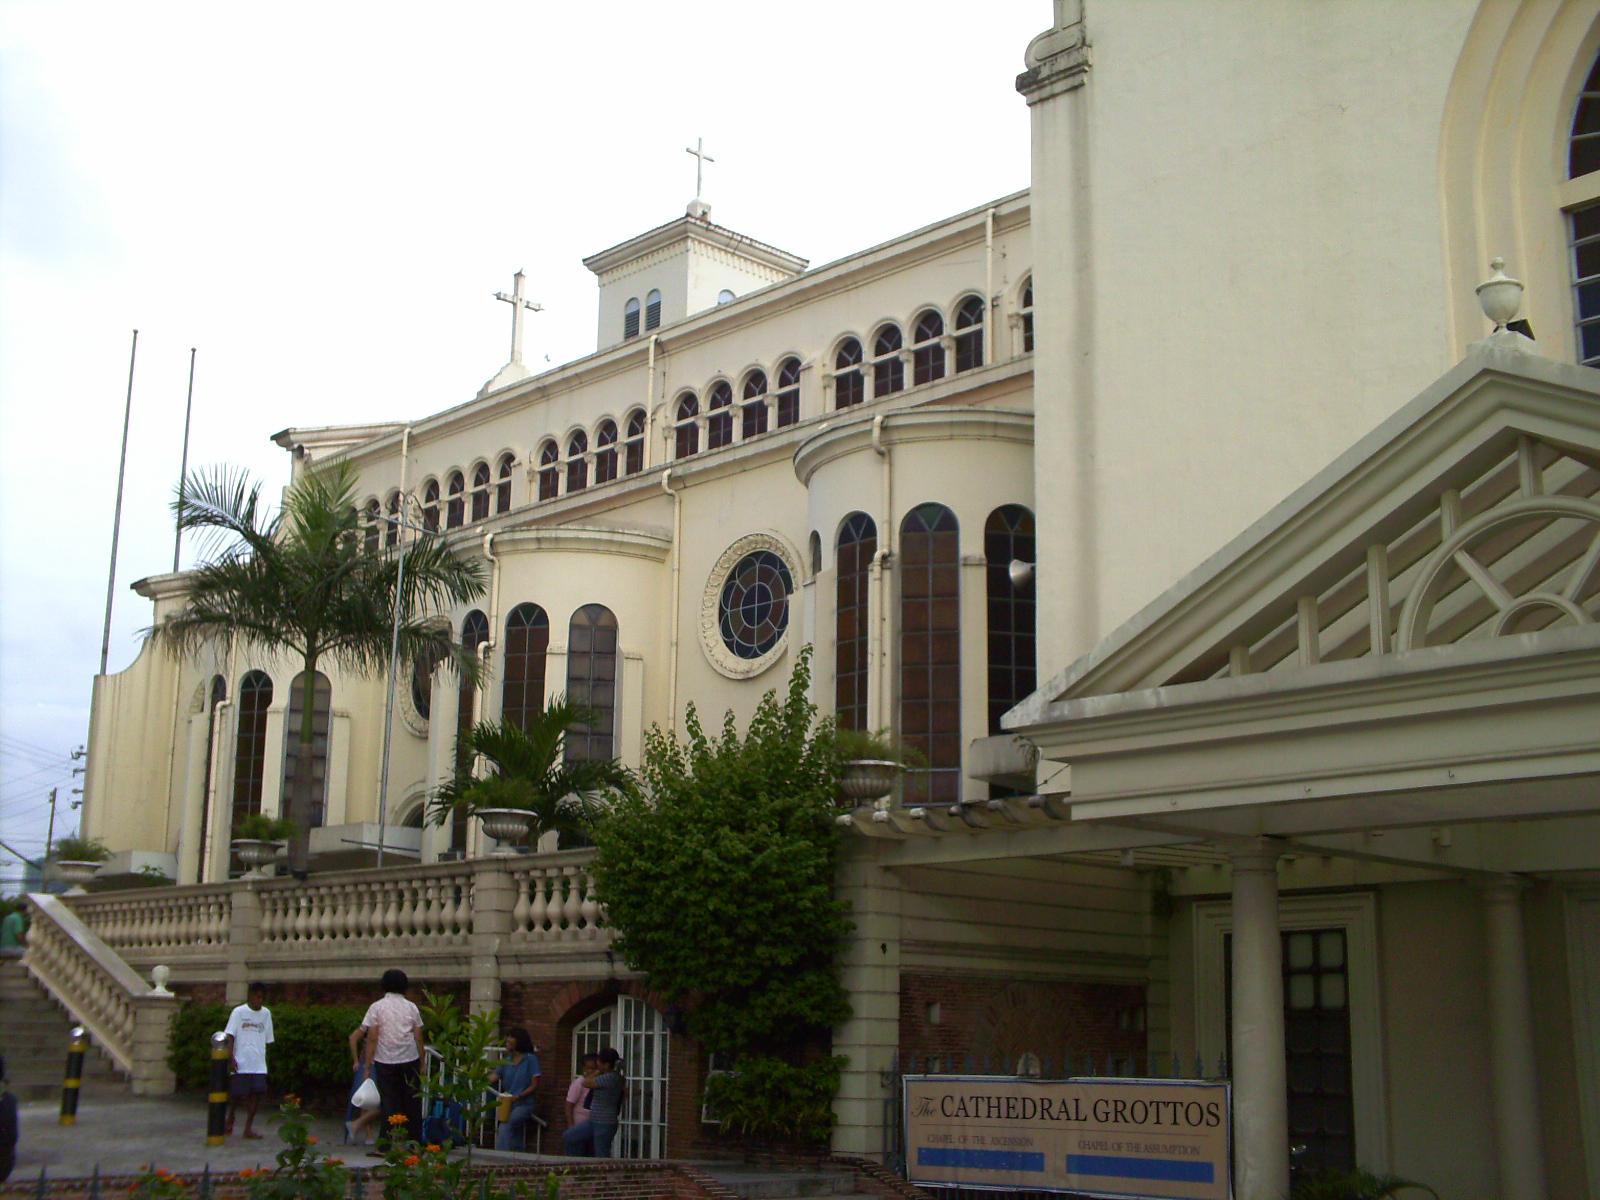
[1148, 1139]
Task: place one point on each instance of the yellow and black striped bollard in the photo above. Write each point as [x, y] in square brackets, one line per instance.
[78, 1047]
[217, 1109]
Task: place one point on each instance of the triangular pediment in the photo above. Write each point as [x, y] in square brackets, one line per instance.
[1473, 512]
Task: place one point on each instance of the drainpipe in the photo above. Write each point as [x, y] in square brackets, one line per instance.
[480, 694]
[877, 648]
[650, 403]
[988, 278]
[677, 542]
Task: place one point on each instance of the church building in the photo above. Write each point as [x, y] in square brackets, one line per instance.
[1219, 518]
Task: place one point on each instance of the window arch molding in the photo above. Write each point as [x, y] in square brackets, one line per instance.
[722, 400]
[929, 331]
[455, 500]
[686, 424]
[969, 331]
[549, 469]
[606, 441]
[575, 453]
[1501, 158]
[886, 357]
[785, 384]
[480, 491]
[634, 427]
[430, 492]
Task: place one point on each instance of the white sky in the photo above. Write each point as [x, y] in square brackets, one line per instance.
[323, 197]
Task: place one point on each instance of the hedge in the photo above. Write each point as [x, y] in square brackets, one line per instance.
[310, 1053]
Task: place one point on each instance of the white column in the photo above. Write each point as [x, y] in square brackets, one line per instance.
[870, 1039]
[194, 798]
[1519, 1148]
[1260, 1069]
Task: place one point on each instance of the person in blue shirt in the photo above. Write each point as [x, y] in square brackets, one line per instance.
[517, 1076]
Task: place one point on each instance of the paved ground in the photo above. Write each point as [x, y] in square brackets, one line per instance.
[122, 1134]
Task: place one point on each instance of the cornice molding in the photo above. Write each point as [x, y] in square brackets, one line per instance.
[907, 426]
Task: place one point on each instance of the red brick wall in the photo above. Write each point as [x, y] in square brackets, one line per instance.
[990, 1016]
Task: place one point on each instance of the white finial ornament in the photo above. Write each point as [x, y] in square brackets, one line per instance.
[518, 304]
[1499, 296]
[159, 976]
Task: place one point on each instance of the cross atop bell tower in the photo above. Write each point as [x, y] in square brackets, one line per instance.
[698, 208]
[518, 305]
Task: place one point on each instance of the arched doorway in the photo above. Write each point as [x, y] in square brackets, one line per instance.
[639, 1034]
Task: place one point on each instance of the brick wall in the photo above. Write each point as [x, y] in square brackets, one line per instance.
[1004, 1018]
[549, 1011]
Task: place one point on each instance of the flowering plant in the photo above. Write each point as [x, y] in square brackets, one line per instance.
[303, 1172]
[413, 1172]
[158, 1183]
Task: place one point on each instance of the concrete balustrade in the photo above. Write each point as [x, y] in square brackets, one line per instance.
[479, 919]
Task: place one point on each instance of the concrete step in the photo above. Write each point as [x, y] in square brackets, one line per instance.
[755, 1184]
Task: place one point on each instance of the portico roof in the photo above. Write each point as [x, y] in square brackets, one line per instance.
[1408, 639]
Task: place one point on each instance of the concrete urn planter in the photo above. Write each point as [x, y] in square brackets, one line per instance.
[867, 779]
[506, 825]
[75, 871]
[255, 853]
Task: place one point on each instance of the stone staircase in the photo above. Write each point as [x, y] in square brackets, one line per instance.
[762, 1182]
[34, 1036]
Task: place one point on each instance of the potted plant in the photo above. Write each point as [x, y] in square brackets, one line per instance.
[872, 764]
[532, 787]
[75, 859]
[258, 838]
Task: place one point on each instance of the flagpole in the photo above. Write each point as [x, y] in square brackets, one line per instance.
[183, 465]
[116, 520]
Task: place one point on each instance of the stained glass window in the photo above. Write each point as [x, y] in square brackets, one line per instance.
[592, 680]
[930, 652]
[250, 744]
[858, 542]
[1008, 536]
[753, 610]
[522, 689]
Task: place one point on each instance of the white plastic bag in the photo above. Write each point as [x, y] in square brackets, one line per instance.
[366, 1096]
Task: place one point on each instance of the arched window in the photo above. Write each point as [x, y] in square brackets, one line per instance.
[605, 457]
[725, 296]
[688, 431]
[789, 392]
[930, 652]
[592, 680]
[456, 502]
[849, 384]
[577, 462]
[321, 705]
[969, 334]
[549, 471]
[480, 492]
[1026, 312]
[430, 506]
[422, 686]
[250, 744]
[1008, 536]
[1583, 158]
[927, 350]
[370, 527]
[474, 633]
[630, 318]
[888, 368]
[391, 527]
[815, 546]
[858, 542]
[652, 309]
[522, 688]
[755, 405]
[502, 487]
[633, 448]
[719, 415]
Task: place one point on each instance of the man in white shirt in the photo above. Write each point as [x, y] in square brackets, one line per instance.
[394, 1057]
[249, 1031]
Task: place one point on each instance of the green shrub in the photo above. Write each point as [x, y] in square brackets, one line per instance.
[258, 827]
[309, 1056]
[719, 887]
[79, 849]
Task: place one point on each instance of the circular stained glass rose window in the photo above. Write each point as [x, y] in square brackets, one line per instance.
[753, 609]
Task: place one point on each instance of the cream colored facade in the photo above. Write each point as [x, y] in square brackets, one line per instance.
[647, 545]
[1317, 571]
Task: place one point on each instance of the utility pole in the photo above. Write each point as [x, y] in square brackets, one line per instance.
[50, 831]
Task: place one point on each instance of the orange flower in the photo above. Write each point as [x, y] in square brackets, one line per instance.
[398, 1119]
[163, 1173]
[434, 1147]
[311, 1139]
[335, 1162]
[247, 1173]
[412, 1160]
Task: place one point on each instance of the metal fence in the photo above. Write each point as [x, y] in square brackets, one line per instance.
[1068, 1064]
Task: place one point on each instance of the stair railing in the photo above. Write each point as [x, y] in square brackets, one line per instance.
[127, 1019]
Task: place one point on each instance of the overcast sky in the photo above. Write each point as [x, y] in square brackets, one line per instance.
[323, 197]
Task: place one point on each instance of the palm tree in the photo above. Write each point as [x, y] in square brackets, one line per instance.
[531, 772]
[304, 581]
